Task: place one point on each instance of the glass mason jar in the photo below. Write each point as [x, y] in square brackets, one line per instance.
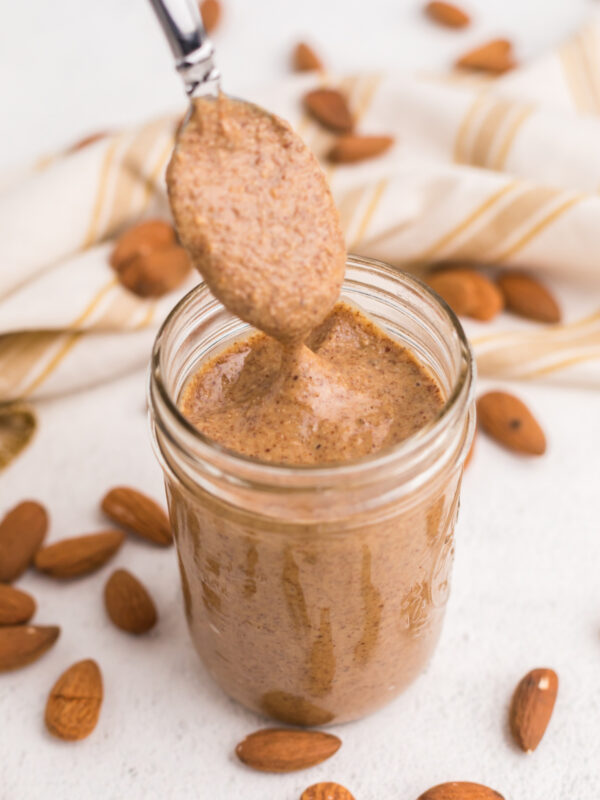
[316, 594]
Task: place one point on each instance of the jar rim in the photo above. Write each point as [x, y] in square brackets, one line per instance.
[272, 471]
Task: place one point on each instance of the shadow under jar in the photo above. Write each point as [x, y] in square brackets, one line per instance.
[316, 594]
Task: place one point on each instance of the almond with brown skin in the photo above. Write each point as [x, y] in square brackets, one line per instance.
[16, 606]
[447, 14]
[532, 706]
[508, 420]
[22, 644]
[495, 57]
[349, 149]
[285, 749]
[467, 292]
[128, 603]
[156, 273]
[326, 791]
[79, 555]
[304, 58]
[138, 513]
[21, 533]
[330, 108]
[73, 705]
[210, 11]
[529, 298]
[140, 240]
[460, 790]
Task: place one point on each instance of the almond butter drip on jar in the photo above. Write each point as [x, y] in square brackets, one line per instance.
[324, 385]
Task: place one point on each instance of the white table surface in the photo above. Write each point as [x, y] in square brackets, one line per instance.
[526, 588]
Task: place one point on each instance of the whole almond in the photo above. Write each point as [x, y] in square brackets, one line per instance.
[349, 149]
[529, 298]
[22, 644]
[138, 513]
[495, 57]
[532, 706]
[447, 14]
[128, 603]
[79, 555]
[141, 239]
[330, 108]
[73, 705]
[211, 14]
[21, 533]
[508, 420]
[467, 292]
[326, 791]
[157, 273]
[460, 790]
[16, 606]
[285, 749]
[304, 58]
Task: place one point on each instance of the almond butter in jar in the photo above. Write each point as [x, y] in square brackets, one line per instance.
[316, 593]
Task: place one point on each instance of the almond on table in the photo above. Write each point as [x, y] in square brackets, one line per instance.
[304, 58]
[326, 791]
[211, 11]
[139, 513]
[157, 273]
[508, 420]
[447, 14]
[330, 108]
[22, 532]
[22, 644]
[286, 749]
[351, 148]
[16, 606]
[467, 292]
[74, 702]
[532, 706]
[495, 57]
[528, 297]
[78, 555]
[128, 603]
[140, 240]
[460, 790]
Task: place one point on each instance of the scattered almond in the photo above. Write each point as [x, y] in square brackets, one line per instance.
[508, 420]
[528, 297]
[330, 108]
[467, 292]
[128, 603]
[351, 148]
[139, 513]
[79, 555]
[326, 791]
[304, 58]
[16, 606]
[460, 790]
[532, 706]
[74, 702]
[21, 533]
[22, 644]
[495, 56]
[156, 273]
[141, 240]
[286, 749]
[210, 11]
[447, 14]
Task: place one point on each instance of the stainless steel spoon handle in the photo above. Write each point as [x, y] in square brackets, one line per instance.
[191, 47]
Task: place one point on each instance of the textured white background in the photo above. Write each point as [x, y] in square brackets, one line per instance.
[526, 584]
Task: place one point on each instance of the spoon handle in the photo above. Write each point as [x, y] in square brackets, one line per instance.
[191, 47]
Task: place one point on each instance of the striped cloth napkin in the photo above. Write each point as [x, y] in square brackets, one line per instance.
[496, 172]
